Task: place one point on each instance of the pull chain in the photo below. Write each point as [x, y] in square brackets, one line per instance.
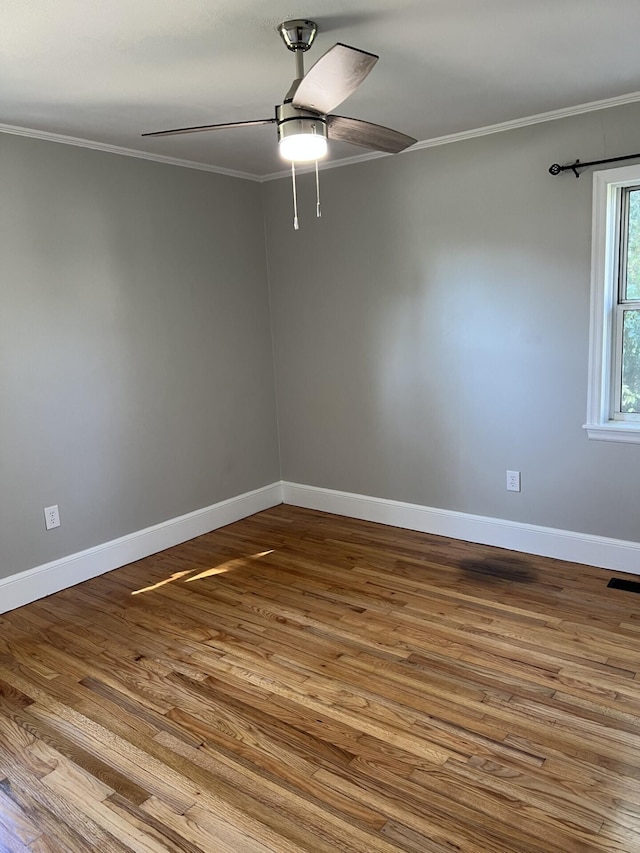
[295, 196]
[318, 211]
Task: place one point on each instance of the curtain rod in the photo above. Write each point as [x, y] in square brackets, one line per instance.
[556, 169]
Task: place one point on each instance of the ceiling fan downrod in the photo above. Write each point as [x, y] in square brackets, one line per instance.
[298, 35]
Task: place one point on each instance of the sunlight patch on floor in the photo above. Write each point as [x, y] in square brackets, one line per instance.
[175, 577]
[229, 566]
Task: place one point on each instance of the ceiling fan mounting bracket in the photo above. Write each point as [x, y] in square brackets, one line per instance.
[298, 34]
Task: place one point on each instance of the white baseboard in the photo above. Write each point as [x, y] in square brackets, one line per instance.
[617, 554]
[32, 584]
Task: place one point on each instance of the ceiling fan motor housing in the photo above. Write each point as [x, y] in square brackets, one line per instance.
[293, 121]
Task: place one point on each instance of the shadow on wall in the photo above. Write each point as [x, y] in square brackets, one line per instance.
[496, 569]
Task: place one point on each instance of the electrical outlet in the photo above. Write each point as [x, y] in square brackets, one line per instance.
[513, 481]
[51, 517]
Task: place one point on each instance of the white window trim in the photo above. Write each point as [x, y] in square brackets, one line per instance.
[604, 295]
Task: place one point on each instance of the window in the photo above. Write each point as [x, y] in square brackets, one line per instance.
[614, 362]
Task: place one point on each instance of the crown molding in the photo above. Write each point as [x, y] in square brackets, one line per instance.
[126, 152]
[539, 118]
[487, 130]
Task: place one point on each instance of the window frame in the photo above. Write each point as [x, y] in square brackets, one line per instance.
[607, 309]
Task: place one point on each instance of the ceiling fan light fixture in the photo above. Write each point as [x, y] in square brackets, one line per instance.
[303, 147]
[302, 135]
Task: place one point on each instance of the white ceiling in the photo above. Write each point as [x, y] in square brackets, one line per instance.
[108, 71]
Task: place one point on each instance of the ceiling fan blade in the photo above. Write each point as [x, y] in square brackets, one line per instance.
[201, 127]
[367, 135]
[333, 78]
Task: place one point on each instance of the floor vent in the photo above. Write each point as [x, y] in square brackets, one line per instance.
[628, 586]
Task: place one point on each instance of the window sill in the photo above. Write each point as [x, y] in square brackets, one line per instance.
[614, 431]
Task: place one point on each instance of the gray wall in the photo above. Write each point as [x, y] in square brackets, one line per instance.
[136, 379]
[431, 330]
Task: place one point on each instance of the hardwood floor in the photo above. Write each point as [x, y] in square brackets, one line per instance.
[303, 682]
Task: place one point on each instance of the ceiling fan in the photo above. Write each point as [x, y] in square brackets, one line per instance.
[306, 109]
[304, 119]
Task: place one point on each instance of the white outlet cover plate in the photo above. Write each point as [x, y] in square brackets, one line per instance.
[51, 517]
[513, 481]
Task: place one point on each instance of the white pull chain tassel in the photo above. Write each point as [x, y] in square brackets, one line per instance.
[295, 197]
[318, 211]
